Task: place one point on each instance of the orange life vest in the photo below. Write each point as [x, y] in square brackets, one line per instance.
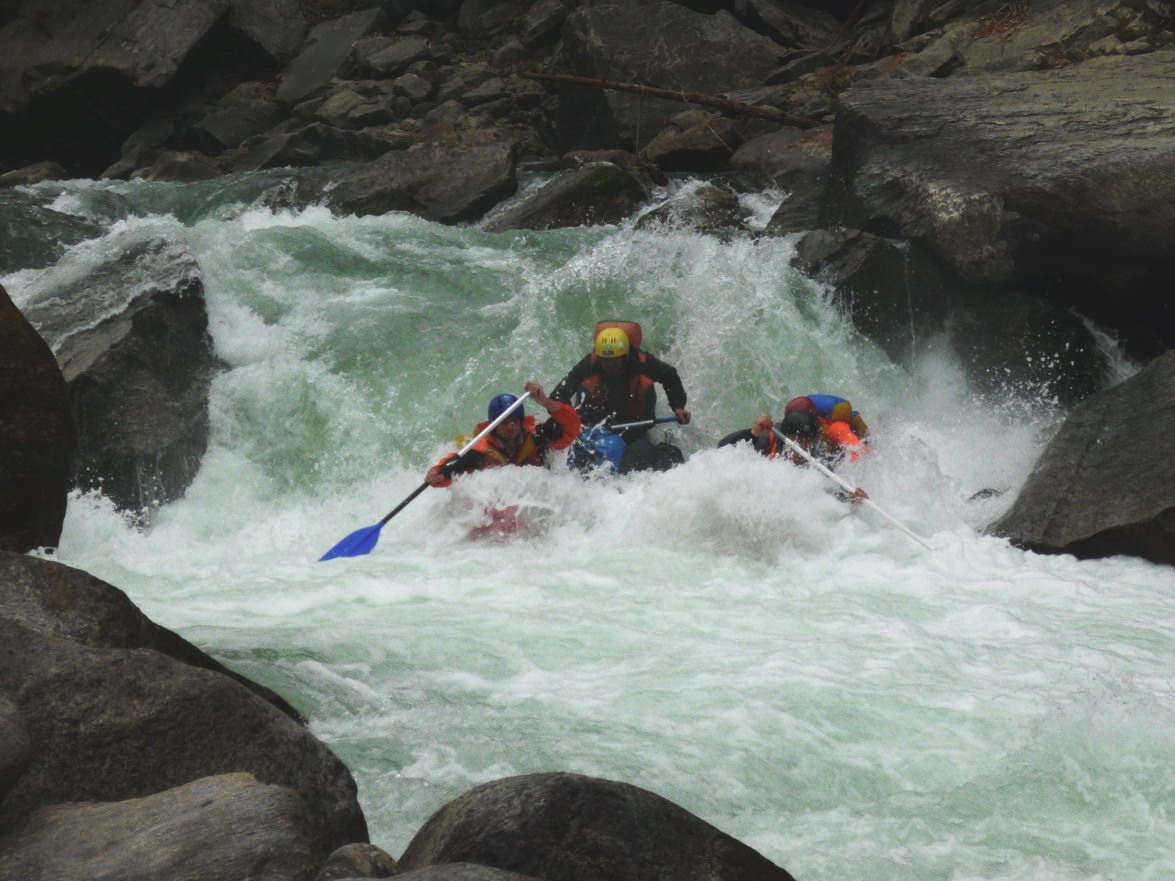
[639, 386]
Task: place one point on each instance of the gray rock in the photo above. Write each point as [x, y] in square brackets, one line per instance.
[32, 174]
[486, 16]
[37, 436]
[277, 26]
[74, 80]
[394, 59]
[1103, 486]
[70, 604]
[596, 194]
[1059, 182]
[184, 166]
[108, 725]
[901, 295]
[247, 110]
[704, 146]
[641, 42]
[542, 21]
[311, 145]
[357, 861]
[786, 156]
[413, 87]
[798, 25]
[793, 69]
[222, 828]
[578, 828]
[15, 746]
[447, 181]
[705, 209]
[997, 39]
[908, 18]
[138, 378]
[462, 872]
[327, 49]
[348, 109]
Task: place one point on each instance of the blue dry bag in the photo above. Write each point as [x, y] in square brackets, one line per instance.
[597, 448]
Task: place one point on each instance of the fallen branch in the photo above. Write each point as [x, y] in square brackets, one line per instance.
[677, 95]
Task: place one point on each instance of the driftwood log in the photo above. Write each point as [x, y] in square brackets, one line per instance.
[677, 95]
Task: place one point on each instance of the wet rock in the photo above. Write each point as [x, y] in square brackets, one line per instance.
[327, 50]
[445, 180]
[33, 174]
[704, 209]
[357, 861]
[1103, 487]
[705, 146]
[248, 110]
[141, 148]
[312, 145]
[15, 746]
[221, 828]
[596, 194]
[796, 161]
[70, 604]
[183, 166]
[108, 725]
[902, 295]
[640, 42]
[138, 378]
[397, 56]
[578, 828]
[1060, 182]
[37, 436]
[77, 77]
[542, 21]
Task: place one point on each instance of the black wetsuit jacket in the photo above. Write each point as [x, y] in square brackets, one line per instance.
[762, 443]
[616, 403]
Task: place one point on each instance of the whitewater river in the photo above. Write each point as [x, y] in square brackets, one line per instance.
[799, 674]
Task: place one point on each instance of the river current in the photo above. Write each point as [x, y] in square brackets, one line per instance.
[728, 634]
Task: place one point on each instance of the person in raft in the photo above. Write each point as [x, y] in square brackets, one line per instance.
[803, 429]
[614, 383]
[842, 430]
[517, 440]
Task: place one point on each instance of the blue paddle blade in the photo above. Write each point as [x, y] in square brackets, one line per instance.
[358, 543]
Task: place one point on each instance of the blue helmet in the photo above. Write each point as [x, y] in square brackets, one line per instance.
[500, 403]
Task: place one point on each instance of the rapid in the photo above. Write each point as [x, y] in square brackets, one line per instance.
[727, 634]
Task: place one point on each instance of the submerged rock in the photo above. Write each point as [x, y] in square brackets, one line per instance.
[221, 828]
[598, 193]
[37, 436]
[705, 209]
[575, 828]
[1103, 486]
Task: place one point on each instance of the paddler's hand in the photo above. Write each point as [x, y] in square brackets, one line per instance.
[857, 496]
[434, 476]
[762, 426]
[539, 397]
[683, 415]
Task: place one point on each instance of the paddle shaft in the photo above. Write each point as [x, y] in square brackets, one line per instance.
[642, 423]
[827, 472]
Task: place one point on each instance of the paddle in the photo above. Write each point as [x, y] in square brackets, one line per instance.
[644, 422]
[361, 541]
[850, 488]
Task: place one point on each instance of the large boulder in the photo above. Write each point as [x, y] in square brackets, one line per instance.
[643, 42]
[1059, 182]
[566, 827]
[705, 208]
[37, 436]
[598, 193]
[904, 297]
[222, 828]
[447, 180]
[132, 340]
[75, 76]
[277, 26]
[109, 725]
[15, 746]
[1103, 485]
[70, 604]
[327, 50]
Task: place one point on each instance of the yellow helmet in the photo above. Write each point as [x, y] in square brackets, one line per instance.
[611, 342]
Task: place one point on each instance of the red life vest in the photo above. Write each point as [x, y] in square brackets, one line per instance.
[639, 386]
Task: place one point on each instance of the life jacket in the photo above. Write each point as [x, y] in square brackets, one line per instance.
[841, 427]
[637, 406]
[528, 452]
